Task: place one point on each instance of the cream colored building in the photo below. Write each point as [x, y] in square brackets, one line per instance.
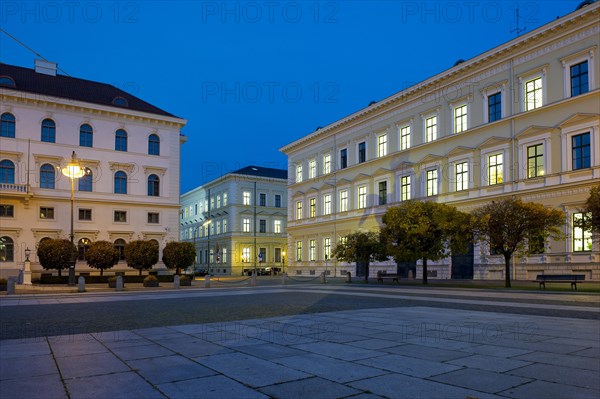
[131, 149]
[518, 120]
[238, 221]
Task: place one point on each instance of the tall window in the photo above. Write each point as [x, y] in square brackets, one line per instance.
[430, 129]
[262, 226]
[47, 176]
[7, 125]
[460, 119]
[326, 164]
[312, 208]
[299, 251]
[581, 151]
[299, 214]
[579, 78]
[405, 138]
[48, 131]
[7, 249]
[120, 182]
[120, 246]
[218, 201]
[533, 94]
[224, 199]
[327, 248]
[327, 204]
[7, 172]
[246, 198]
[86, 136]
[312, 169]
[535, 160]
[495, 172]
[121, 140]
[362, 197]
[343, 158]
[432, 182]
[582, 239]
[462, 176]
[277, 201]
[312, 250]
[362, 152]
[495, 107]
[382, 145]
[405, 188]
[277, 226]
[246, 225]
[382, 192]
[245, 254]
[153, 185]
[153, 144]
[344, 201]
[224, 226]
[298, 173]
[262, 199]
[85, 182]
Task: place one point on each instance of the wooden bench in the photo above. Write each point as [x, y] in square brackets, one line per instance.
[573, 279]
[385, 276]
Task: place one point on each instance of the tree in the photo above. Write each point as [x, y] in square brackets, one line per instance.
[102, 255]
[141, 254]
[591, 212]
[55, 254]
[362, 248]
[178, 255]
[507, 226]
[416, 230]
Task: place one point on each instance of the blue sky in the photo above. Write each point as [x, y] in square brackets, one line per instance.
[251, 77]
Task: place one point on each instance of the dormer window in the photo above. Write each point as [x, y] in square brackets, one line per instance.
[7, 81]
[120, 101]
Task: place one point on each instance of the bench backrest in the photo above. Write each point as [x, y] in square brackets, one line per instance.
[550, 277]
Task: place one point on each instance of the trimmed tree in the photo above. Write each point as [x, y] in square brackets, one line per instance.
[416, 230]
[102, 255]
[141, 254]
[362, 248]
[508, 225]
[55, 254]
[178, 255]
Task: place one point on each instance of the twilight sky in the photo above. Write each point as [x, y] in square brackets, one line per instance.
[253, 76]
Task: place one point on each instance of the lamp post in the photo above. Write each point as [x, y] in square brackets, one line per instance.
[73, 170]
[283, 261]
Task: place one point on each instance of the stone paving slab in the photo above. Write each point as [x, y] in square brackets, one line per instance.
[481, 380]
[559, 374]
[490, 363]
[548, 390]
[409, 365]
[159, 370]
[313, 388]
[114, 386]
[90, 365]
[40, 387]
[212, 387]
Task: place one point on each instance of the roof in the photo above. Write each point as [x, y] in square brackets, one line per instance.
[262, 172]
[28, 80]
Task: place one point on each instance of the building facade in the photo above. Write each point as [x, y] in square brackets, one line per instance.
[238, 222]
[518, 120]
[130, 149]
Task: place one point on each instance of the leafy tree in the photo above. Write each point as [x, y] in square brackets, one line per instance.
[55, 254]
[102, 255]
[507, 225]
[362, 248]
[141, 254]
[416, 230]
[178, 255]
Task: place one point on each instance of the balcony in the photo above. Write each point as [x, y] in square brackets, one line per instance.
[14, 190]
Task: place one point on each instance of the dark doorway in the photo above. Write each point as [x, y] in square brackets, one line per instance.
[462, 265]
[402, 268]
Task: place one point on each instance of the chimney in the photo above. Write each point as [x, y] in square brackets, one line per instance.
[46, 67]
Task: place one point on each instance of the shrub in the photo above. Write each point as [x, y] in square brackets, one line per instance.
[150, 281]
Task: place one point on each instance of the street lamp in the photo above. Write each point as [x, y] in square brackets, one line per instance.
[283, 260]
[27, 253]
[73, 170]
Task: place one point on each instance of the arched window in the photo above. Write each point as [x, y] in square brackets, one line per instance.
[85, 182]
[47, 176]
[82, 247]
[153, 186]
[48, 131]
[120, 182]
[120, 246]
[7, 172]
[153, 145]
[7, 81]
[86, 136]
[7, 125]
[7, 249]
[121, 140]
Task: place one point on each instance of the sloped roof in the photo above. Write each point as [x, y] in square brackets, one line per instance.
[260, 171]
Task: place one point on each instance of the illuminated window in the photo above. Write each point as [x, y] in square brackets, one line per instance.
[224, 226]
[46, 212]
[405, 138]
[405, 188]
[246, 198]
[326, 164]
[218, 201]
[460, 119]
[535, 160]
[462, 176]
[246, 225]
[7, 249]
[432, 182]
[382, 145]
[362, 197]
[299, 251]
[533, 94]
[430, 129]
[313, 207]
[277, 226]
[495, 169]
[224, 199]
[298, 173]
[312, 169]
[327, 204]
[344, 201]
[582, 238]
[299, 213]
[312, 250]
[327, 248]
[245, 254]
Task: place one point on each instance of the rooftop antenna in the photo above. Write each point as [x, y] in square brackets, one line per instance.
[518, 18]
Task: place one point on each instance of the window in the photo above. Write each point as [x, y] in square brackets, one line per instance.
[48, 131]
[298, 173]
[86, 136]
[495, 174]
[153, 217]
[262, 254]
[120, 216]
[299, 214]
[327, 248]
[432, 182]
[579, 78]
[326, 164]
[218, 201]
[7, 172]
[535, 160]
[312, 169]
[533, 94]
[121, 140]
[246, 198]
[277, 226]
[312, 207]
[362, 197]
[405, 188]
[262, 198]
[153, 145]
[47, 176]
[312, 250]
[224, 226]
[120, 182]
[460, 119]
[212, 203]
[462, 176]
[405, 138]
[382, 145]
[153, 186]
[119, 245]
[362, 152]
[277, 255]
[343, 158]
[218, 227]
[224, 199]
[83, 245]
[344, 201]
[262, 226]
[299, 251]
[277, 201]
[582, 239]
[430, 129]
[224, 251]
[7, 211]
[581, 151]
[246, 225]
[327, 204]
[46, 212]
[495, 107]
[85, 214]
[7, 81]
[7, 249]
[245, 254]
[382, 192]
[7, 125]
[85, 182]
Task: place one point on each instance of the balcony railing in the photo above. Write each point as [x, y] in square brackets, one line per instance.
[13, 188]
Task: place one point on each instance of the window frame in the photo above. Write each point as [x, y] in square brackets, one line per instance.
[382, 145]
[404, 138]
[86, 137]
[246, 225]
[299, 173]
[461, 183]
[460, 122]
[361, 152]
[8, 125]
[312, 168]
[578, 234]
[361, 197]
[46, 213]
[382, 195]
[120, 182]
[48, 176]
[431, 182]
[327, 204]
[85, 214]
[299, 211]
[7, 211]
[154, 144]
[120, 216]
[48, 131]
[343, 158]
[498, 167]
[574, 59]
[343, 200]
[427, 137]
[326, 164]
[121, 140]
[405, 183]
[312, 207]
[583, 146]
